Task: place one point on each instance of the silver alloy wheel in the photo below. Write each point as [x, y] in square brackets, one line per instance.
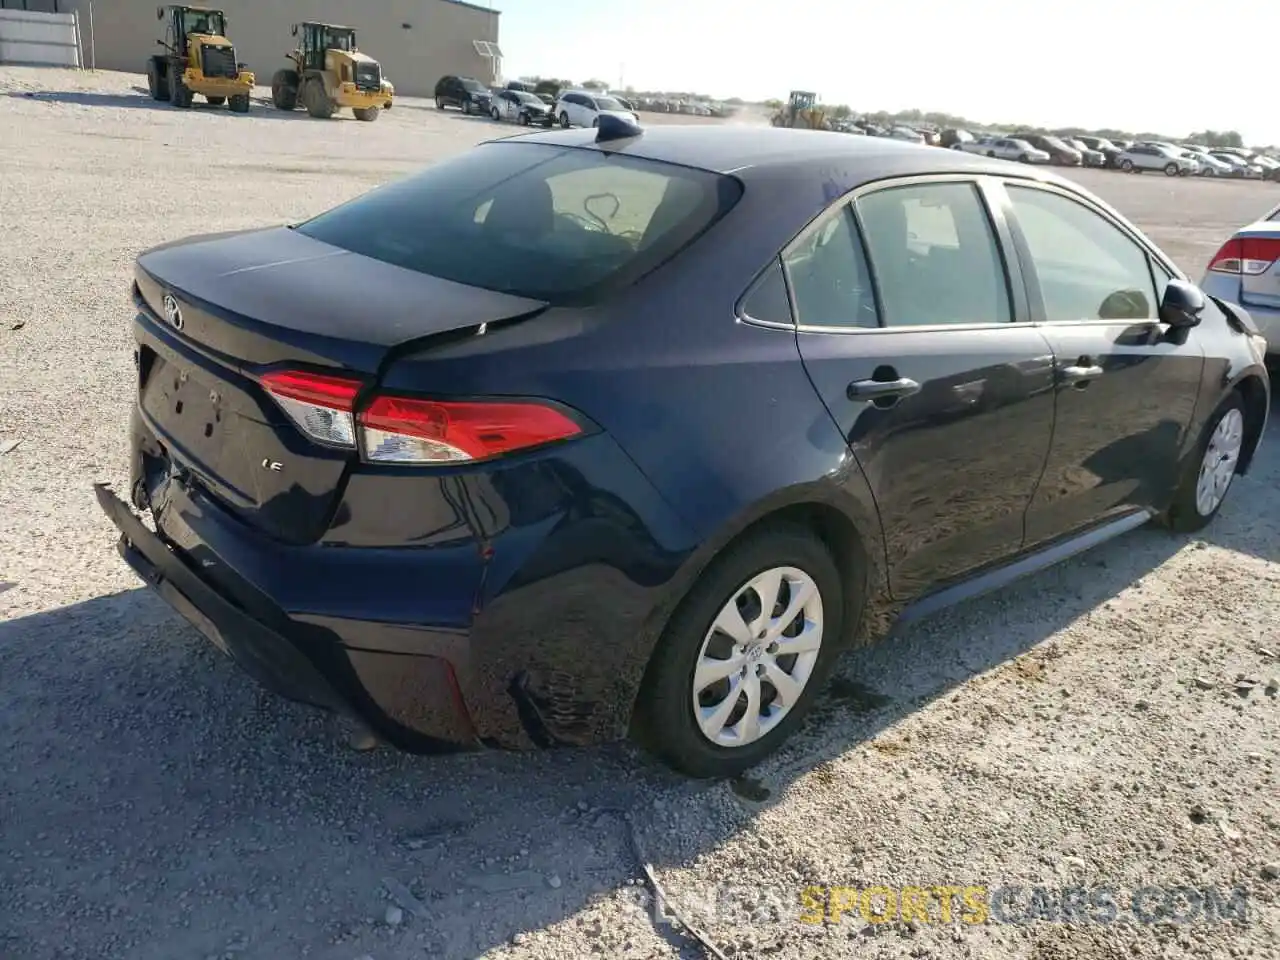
[758, 656]
[1219, 463]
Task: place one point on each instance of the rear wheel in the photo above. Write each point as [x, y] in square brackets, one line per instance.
[284, 89]
[466, 107]
[439, 103]
[564, 120]
[157, 81]
[217, 101]
[239, 103]
[367, 114]
[1170, 169]
[1126, 166]
[493, 112]
[1025, 158]
[744, 655]
[1204, 485]
[317, 100]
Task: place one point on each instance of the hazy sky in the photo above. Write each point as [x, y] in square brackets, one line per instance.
[1134, 64]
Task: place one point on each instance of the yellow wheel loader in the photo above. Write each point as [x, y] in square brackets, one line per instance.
[328, 72]
[198, 59]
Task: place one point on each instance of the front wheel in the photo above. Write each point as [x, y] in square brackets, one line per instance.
[239, 103]
[1204, 485]
[367, 114]
[1126, 166]
[564, 121]
[466, 107]
[1170, 169]
[494, 114]
[1024, 159]
[744, 655]
[439, 103]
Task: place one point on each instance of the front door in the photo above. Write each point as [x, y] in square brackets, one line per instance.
[1126, 385]
[945, 401]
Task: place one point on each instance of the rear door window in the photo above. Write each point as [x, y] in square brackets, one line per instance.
[935, 255]
[539, 221]
[828, 274]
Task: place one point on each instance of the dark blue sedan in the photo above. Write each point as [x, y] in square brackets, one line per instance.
[607, 431]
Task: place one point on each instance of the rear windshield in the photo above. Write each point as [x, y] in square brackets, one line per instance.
[550, 223]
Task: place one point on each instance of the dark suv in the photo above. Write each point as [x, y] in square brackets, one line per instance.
[464, 93]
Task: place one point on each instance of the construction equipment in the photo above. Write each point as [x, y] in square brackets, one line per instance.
[198, 59]
[802, 110]
[328, 73]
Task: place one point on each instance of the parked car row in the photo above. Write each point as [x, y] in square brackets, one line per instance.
[1172, 159]
[517, 104]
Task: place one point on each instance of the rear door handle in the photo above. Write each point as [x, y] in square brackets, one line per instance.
[1078, 373]
[881, 389]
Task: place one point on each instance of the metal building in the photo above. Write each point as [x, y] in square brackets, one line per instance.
[416, 41]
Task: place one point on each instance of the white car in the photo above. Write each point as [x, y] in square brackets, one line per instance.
[582, 108]
[1006, 148]
[1211, 166]
[907, 134]
[1240, 167]
[1151, 156]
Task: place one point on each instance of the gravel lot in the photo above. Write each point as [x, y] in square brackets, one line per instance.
[1085, 727]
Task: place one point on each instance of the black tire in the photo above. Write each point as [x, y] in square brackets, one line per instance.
[1024, 159]
[524, 120]
[1183, 516]
[991, 154]
[664, 715]
[367, 114]
[216, 101]
[284, 89]
[1126, 166]
[493, 113]
[157, 82]
[564, 121]
[439, 103]
[182, 95]
[317, 101]
[239, 103]
[1171, 169]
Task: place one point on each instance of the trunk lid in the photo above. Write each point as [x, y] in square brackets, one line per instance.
[254, 301]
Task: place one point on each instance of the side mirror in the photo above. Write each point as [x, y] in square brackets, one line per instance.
[1181, 304]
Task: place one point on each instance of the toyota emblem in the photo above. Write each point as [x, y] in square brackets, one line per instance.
[172, 315]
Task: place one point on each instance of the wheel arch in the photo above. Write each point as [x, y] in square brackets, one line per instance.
[1253, 391]
[849, 532]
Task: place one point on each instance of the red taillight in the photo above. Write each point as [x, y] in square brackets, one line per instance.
[405, 430]
[409, 430]
[321, 406]
[1246, 255]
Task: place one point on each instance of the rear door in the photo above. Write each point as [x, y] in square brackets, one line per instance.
[1126, 385]
[905, 316]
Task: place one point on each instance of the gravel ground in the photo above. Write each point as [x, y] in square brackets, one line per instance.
[1084, 728]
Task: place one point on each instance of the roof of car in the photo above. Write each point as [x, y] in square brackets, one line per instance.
[740, 148]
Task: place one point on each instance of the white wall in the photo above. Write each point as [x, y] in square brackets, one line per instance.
[437, 40]
[47, 39]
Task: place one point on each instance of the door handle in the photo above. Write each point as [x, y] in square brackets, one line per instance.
[1080, 373]
[881, 389]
